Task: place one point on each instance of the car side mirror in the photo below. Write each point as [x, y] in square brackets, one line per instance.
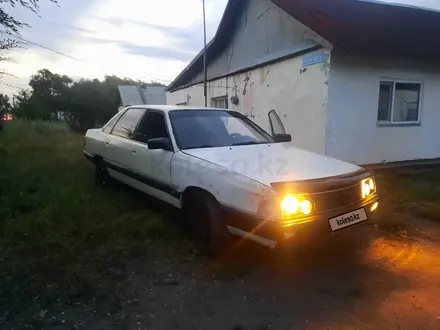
[160, 143]
[282, 137]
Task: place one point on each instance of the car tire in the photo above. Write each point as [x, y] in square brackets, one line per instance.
[101, 174]
[207, 229]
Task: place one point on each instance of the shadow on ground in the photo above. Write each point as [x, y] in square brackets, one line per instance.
[321, 280]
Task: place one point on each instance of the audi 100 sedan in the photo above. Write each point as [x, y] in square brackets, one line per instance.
[229, 176]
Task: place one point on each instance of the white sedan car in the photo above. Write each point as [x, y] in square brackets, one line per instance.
[228, 175]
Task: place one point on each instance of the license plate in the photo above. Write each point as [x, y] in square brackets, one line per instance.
[348, 219]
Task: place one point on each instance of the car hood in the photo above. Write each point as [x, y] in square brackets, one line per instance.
[278, 162]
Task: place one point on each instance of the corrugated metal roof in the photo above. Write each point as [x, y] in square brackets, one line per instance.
[145, 94]
[368, 27]
[130, 95]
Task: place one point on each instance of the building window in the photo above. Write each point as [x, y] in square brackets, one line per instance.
[220, 102]
[399, 102]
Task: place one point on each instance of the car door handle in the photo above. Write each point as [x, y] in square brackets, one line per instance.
[107, 142]
[133, 152]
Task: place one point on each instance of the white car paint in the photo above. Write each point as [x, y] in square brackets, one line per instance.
[267, 163]
[238, 177]
[229, 188]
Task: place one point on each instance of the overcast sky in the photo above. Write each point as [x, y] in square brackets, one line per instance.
[149, 39]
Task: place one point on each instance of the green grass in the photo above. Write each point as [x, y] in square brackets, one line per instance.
[408, 196]
[62, 237]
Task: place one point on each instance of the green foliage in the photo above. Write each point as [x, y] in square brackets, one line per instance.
[84, 103]
[5, 105]
[11, 25]
[58, 231]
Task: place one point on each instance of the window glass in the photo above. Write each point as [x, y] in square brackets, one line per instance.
[153, 126]
[406, 102]
[385, 101]
[108, 127]
[128, 122]
[399, 102]
[220, 102]
[212, 128]
[276, 125]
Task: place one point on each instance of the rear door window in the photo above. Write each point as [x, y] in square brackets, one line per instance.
[109, 126]
[126, 126]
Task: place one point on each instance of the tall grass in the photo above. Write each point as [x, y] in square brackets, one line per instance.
[58, 231]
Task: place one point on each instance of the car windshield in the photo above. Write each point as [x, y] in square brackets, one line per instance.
[215, 128]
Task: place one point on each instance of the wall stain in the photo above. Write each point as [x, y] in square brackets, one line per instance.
[264, 72]
[246, 80]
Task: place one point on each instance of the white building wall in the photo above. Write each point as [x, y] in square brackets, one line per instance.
[298, 94]
[352, 133]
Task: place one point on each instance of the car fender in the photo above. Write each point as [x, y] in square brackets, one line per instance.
[94, 142]
[230, 189]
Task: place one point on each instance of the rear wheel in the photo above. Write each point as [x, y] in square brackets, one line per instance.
[101, 174]
[207, 229]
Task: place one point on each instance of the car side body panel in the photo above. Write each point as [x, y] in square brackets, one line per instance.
[230, 189]
[94, 142]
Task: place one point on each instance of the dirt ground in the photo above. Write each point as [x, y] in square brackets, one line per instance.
[359, 279]
[380, 275]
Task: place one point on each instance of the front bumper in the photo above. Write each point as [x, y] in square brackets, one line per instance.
[321, 221]
[283, 230]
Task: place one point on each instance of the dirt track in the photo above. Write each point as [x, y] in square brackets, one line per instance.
[359, 279]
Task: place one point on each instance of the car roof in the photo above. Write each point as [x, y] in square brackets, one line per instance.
[167, 108]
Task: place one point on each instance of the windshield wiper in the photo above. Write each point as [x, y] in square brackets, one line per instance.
[203, 146]
[248, 143]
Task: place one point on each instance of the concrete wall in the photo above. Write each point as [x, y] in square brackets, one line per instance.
[263, 31]
[298, 94]
[352, 131]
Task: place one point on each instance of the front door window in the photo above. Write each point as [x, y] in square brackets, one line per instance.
[276, 125]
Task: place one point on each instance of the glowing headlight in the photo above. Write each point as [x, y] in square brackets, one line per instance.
[368, 187]
[306, 207]
[291, 205]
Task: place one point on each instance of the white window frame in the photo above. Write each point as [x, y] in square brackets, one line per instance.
[216, 99]
[400, 123]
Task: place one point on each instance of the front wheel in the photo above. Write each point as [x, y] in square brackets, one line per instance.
[207, 229]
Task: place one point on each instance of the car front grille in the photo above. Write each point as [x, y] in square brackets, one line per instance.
[329, 193]
[334, 199]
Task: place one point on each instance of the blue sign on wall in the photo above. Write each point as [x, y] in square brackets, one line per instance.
[315, 58]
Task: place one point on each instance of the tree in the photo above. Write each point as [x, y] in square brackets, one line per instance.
[84, 104]
[12, 26]
[5, 105]
[93, 102]
[5, 108]
[156, 83]
[24, 107]
[51, 90]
